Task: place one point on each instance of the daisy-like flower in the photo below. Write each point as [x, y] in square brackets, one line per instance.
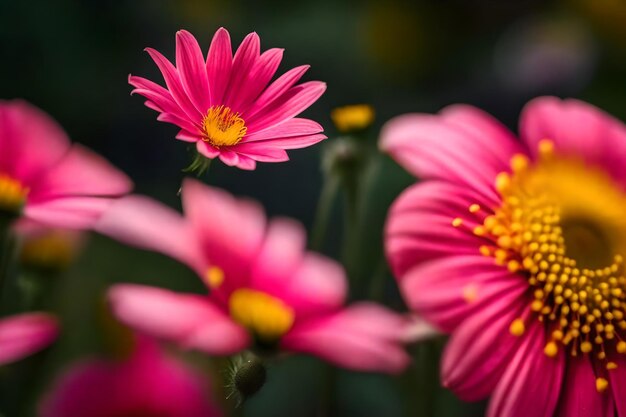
[266, 291]
[147, 384]
[226, 105]
[44, 178]
[24, 334]
[517, 249]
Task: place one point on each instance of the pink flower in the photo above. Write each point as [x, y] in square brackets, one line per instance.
[224, 104]
[517, 249]
[148, 384]
[45, 178]
[24, 334]
[266, 291]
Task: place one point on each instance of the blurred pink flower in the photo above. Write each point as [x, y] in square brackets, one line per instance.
[517, 249]
[46, 178]
[224, 104]
[148, 384]
[266, 291]
[24, 334]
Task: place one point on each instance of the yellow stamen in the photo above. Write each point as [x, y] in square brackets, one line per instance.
[551, 349]
[352, 118]
[264, 315]
[223, 127]
[601, 384]
[214, 277]
[12, 194]
[517, 327]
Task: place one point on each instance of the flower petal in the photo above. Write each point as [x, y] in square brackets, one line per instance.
[579, 397]
[243, 61]
[147, 224]
[276, 90]
[25, 334]
[31, 141]
[259, 76]
[192, 69]
[531, 383]
[295, 127]
[219, 63]
[364, 337]
[419, 226]
[481, 346]
[190, 320]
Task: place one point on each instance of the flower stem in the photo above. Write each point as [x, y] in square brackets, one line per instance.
[6, 258]
[324, 209]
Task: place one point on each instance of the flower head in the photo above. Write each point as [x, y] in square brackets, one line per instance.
[265, 291]
[226, 104]
[24, 334]
[517, 249]
[46, 179]
[148, 383]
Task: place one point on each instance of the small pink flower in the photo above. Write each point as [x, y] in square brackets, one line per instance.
[517, 248]
[224, 104]
[266, 291]
[24, 334]
[146, 384]
[47, 179]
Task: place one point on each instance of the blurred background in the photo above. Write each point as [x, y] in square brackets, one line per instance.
[72, 58]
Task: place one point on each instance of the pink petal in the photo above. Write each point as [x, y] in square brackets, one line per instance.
[231, 230]
[68, 212]
[31, 141]
[290, 104]
[186, 136]
[189, 320]
[229, 157]
[246, 163]
[364, 337]
[277, 89]
[448, 290]
[207, 150]
[578, 129]
[295, 127]
[481, 346]
[617, 383]
[192, 69]
[419, 227]
[148, 382]
[579, 397]
[261, 151]
[147, 224]
[259, 76]
[80, 173]
[25, 334]
[294, 142]
[163, 100]
[174, 85]
[218, 65]
[453, 147]
[531, 383]
[245, 57]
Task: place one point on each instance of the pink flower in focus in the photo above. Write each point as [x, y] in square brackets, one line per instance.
[517, 249]
[47, 179]
[266, 291]
[224, 104]
[24, 334]
[147, 384]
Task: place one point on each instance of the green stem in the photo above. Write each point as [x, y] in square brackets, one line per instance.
[324, 209]
[6, 259]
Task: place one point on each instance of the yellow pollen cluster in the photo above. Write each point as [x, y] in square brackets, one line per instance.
[214, 277]
[561, 225]
[352, 118]
[223, 127]
[267, 317]
[12, 194]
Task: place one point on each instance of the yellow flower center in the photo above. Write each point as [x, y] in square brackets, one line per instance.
[353, 117]
[12, 194]
[562, 225]
[52, 251]
[267, 317]
[223, 127]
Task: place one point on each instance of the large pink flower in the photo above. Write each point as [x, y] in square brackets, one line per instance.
[147, 384]
[224, 104]
[47, 179]
[517, 249]
[266, 291]
[24, 334]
